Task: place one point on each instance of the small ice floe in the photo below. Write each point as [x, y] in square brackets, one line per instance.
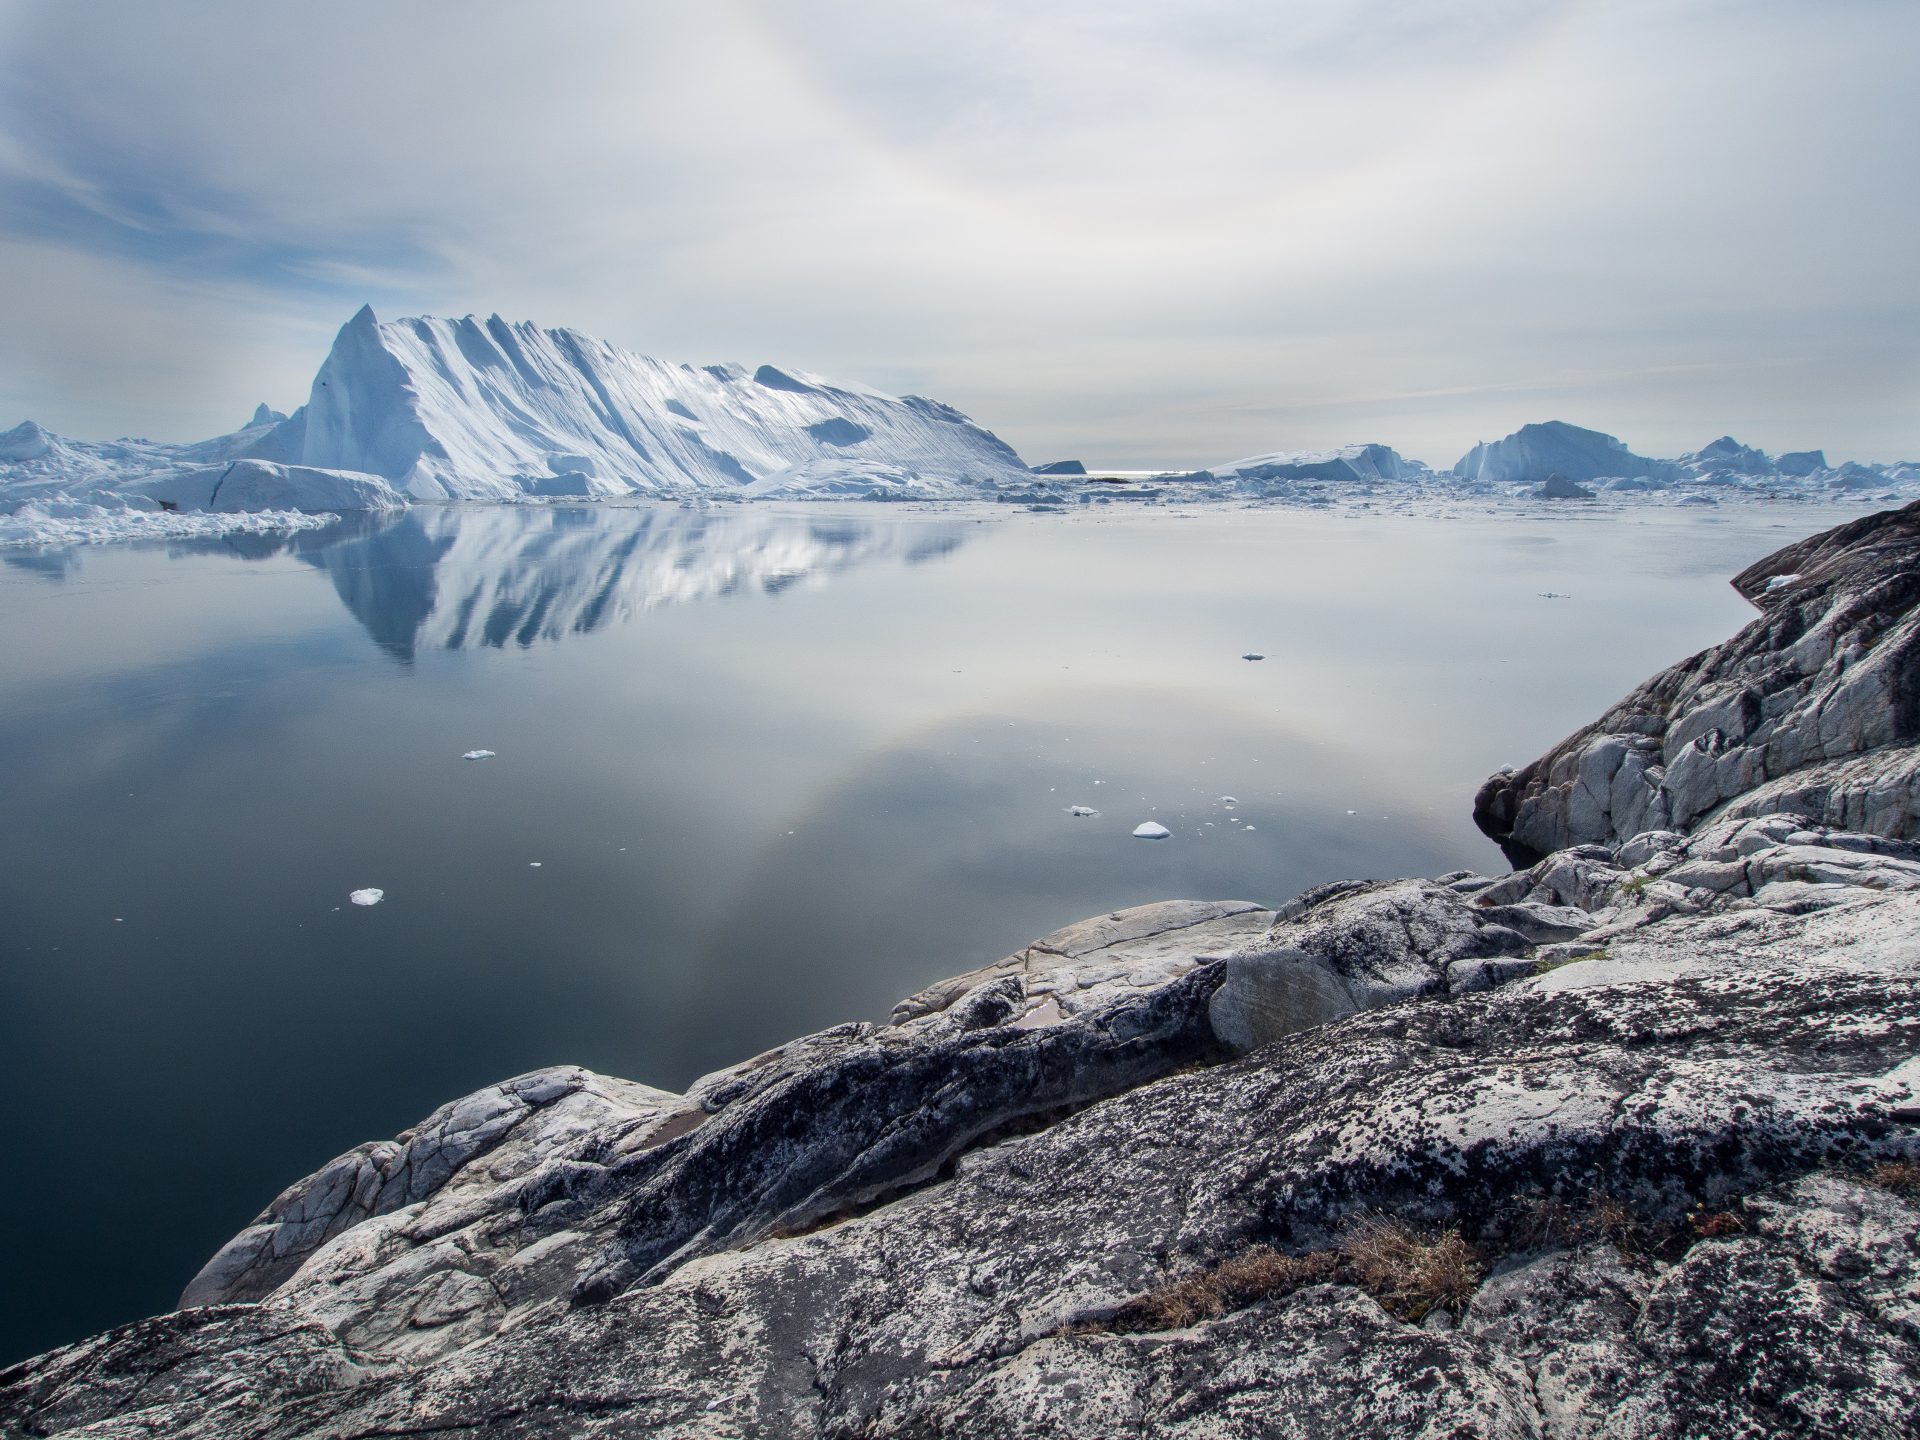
[1227, 802]
[1253, 655]
[1247, 829]
[1150, 830]
[1780, 582]
[533, 864]
[1353, 812]
[1082, 812]
[368, 896]
[1553, 595]
[478, 755]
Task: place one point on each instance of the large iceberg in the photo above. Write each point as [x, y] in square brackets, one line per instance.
[486, 410]
[1534, 452]
[468, 409]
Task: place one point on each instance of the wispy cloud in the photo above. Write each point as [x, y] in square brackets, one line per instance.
[1135, 232]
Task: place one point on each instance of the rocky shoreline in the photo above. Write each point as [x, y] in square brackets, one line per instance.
[1625, 1143]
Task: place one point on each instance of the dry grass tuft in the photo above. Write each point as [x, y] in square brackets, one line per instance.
[1233, 1284]
[1715, 1224]
[1900, 1176]
[1412, 1272]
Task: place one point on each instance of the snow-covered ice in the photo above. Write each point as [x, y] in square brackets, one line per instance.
[477, 755]
[1083, 812]
[1150, 830]
[369, 896]
[484, 409]
[60, 521]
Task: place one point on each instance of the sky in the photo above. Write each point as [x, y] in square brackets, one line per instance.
[1138, 234]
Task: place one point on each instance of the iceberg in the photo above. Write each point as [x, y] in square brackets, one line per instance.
[434, 409]
[262, 485]
[1349, 464]
[1534, 452]
[475, 409]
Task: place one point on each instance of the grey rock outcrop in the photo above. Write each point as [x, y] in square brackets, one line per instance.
[1660, 1096]
[1814, 708]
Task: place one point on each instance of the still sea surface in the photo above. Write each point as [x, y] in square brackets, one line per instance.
[757, 771]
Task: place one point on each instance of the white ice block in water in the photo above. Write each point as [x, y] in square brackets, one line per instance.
[1083, 812]
[367, 897]
[1149, 830]
[478, 755]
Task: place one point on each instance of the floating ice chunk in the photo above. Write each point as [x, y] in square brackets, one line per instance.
[1780, 582]
[1227, 802]
[1244, 829]
[1253, 655]
[1083, 812]
[1149, 830]
[533, 864]
[367, 897]
[478, 755]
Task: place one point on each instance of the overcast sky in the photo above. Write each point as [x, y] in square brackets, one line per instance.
[1139, 234]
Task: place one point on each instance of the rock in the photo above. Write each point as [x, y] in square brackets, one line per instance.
[1814, 708]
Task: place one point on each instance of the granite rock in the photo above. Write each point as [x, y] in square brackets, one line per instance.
[1814, 709]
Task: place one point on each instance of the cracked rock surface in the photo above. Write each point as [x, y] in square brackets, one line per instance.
[928, 1227]
[1813, 709]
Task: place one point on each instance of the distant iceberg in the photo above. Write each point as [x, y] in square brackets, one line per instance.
[1533, 453]
[1348, 464]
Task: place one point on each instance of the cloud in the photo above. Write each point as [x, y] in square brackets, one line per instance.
[1134, 232]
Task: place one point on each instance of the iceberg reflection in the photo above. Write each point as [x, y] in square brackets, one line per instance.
[455, 577]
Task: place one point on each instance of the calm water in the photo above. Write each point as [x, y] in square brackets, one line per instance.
[777, 768]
